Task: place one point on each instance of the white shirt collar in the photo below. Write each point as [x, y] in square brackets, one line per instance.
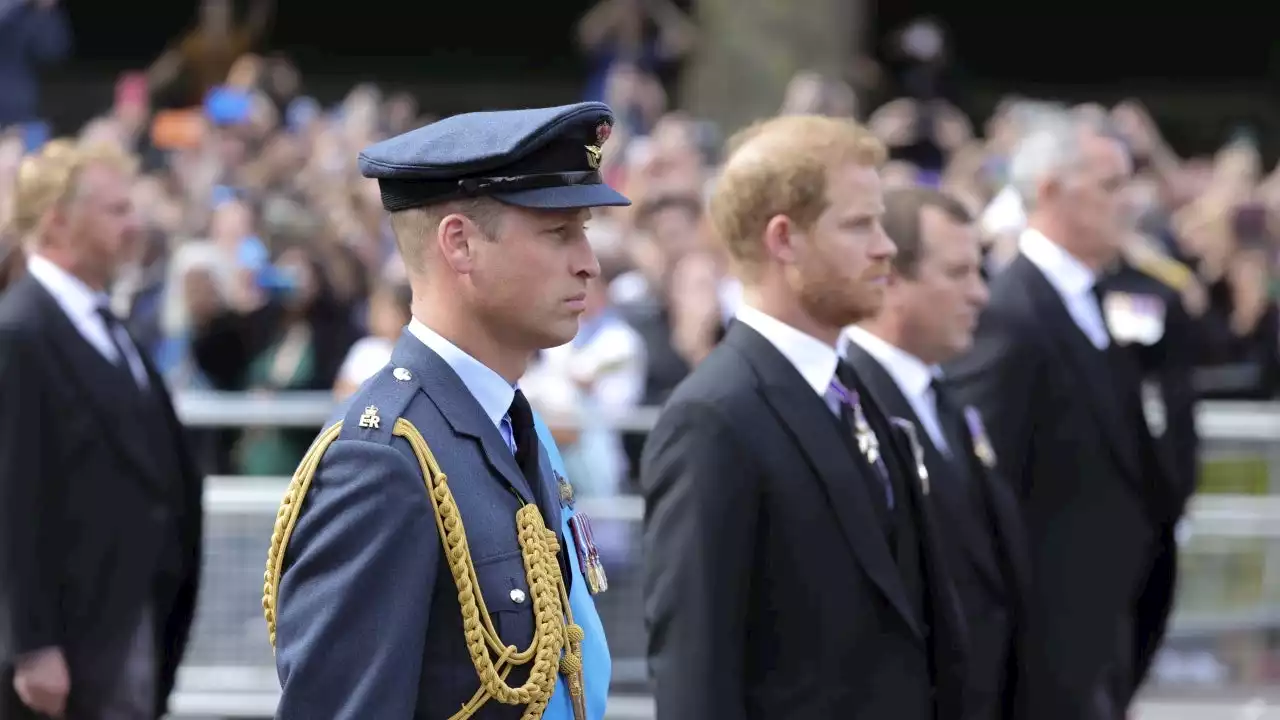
[908, 371]
[815, 360]
[1070, 277]
[488, 387]
[78, 300]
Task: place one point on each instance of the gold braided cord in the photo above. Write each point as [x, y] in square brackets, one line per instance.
[554, 629]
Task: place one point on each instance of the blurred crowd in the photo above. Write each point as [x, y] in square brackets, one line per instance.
[267, 264]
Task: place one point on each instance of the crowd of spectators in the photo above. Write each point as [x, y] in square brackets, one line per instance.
[268, 265]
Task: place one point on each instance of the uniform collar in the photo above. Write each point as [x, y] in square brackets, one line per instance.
[488, 387]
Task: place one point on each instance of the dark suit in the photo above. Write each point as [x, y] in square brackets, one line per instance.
[771, 589]
[1066, 422]
[1166, 367]
[101, 507]
[985, 540]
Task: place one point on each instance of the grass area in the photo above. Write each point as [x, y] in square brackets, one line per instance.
[1235, 475]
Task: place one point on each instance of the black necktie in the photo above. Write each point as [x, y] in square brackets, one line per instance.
[948, 417]
[115, 329]
[525, 437]
[1099, 290]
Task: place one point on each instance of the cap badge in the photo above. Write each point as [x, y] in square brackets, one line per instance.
[595, 152]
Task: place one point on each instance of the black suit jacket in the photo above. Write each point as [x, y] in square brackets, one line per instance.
[770, 589]
[987, 544]
[1168, 366]
[1066, 424]
[100, 506]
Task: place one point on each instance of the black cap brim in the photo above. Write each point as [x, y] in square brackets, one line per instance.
[568, 197]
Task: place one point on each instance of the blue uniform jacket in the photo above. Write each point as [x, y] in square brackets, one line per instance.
[368, 623]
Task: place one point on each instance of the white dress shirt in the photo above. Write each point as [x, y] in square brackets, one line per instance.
[814, 359]
[1073, 281]
[81, 303]
[913, 378]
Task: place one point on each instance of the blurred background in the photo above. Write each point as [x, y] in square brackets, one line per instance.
[268, 287]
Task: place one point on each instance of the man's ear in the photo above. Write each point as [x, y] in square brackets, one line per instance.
[1050, 188]
[779, 239]
[55, 220]
[456, 237]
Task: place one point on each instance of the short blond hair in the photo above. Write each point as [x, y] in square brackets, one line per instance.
[51, 178]
[413, 225]
[779, 167]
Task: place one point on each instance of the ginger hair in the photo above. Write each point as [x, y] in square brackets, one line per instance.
[780, 166]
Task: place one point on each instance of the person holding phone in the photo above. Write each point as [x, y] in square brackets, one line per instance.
[288, 332]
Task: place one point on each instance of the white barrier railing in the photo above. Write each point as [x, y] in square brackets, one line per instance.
[1216, 515]
[249, 690]
[1218, 420]
[199, 408]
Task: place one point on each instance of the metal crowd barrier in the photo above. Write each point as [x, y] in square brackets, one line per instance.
[229, 672]
[1218, 420]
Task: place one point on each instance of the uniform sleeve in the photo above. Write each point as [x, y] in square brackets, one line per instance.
[999, 376]
[27, 501]
[356, 592]
[701, 504]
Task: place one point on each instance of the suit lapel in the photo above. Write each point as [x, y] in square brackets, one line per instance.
[1005, 519]
[1094, 374]
[107, 387]
[460, 409]
[813, 428]
[946, 616]
[948, 489]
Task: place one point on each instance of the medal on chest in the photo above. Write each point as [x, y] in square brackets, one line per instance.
[583, 540]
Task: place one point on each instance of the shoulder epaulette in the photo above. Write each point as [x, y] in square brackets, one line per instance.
[1159, 266]
[372, 412]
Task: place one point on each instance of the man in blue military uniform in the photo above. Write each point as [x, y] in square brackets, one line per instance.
[427, 561]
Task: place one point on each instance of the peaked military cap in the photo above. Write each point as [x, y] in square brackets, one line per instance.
[546, 158]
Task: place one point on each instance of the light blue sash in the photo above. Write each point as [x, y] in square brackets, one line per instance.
[597, 666]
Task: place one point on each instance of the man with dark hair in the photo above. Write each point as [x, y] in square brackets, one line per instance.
[934, 295]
